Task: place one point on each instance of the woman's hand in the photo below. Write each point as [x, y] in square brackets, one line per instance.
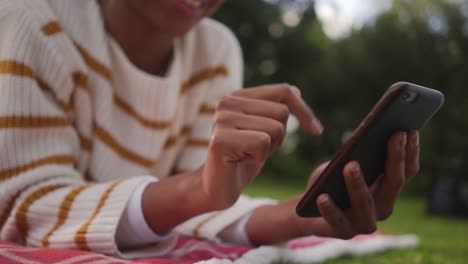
[368, 205]
[249, 126]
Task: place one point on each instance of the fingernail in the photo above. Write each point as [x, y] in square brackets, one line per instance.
[296, 90]
[356, 172]
[317, 125]
[324, 199]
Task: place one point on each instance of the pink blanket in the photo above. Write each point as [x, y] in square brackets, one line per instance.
[304, 250]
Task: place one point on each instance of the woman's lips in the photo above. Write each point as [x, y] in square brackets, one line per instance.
[195, 3]
[192, 8]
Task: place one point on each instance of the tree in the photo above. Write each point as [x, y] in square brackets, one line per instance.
[421, 41]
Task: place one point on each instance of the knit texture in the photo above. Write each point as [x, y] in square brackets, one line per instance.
[79, 124]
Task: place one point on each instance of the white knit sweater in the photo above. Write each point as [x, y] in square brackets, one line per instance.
[79, 132]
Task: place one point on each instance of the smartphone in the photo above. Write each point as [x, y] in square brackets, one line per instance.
[403, 107]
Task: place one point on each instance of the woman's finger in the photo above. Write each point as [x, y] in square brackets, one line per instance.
[335, 217]
[412, 155]
[239, 121]
[362, 202]
[291, 97]
[249, 106]
[392, 181]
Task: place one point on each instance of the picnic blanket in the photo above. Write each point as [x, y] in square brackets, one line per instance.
[188, 250]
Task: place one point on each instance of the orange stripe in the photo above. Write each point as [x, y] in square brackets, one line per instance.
[66, 107]
[22, 211]
[196, 231]
[198, 142]
[142, 120]
[32, 122]
[112, 143]
[94, 64]
[171, 141]
[9, 67]
[58, 159]
[51, 28]
[86, 143]
[80, 236]
[63, 212]
[186, 130]
[204, 75]
[16, 68]
[80, 80]
[206, 109]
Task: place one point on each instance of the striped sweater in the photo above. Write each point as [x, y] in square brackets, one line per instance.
[79, 131]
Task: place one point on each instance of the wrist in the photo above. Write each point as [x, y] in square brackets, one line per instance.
[273, 224]
[173, 200]
[133, 230]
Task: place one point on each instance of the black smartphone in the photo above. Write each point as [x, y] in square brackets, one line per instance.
[403, 107]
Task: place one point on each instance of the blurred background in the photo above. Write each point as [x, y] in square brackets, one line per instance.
[343, 54]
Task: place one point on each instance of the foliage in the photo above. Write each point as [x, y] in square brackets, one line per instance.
[421, 41]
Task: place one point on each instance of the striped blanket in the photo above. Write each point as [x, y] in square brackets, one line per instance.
[188, 250]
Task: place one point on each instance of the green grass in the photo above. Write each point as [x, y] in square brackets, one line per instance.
[442, 240]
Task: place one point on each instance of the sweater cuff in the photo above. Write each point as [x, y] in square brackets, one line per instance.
[239, 235]
[209, 225]
[133, 231]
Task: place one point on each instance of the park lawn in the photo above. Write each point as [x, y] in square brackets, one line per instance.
[442, 240]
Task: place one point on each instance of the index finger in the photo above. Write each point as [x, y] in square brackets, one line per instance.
[291, 97]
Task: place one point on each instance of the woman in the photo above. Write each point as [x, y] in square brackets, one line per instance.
[122, 124]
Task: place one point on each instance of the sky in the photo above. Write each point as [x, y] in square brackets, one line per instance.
[339, 16]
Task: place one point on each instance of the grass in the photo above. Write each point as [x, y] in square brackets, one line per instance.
[442, 240]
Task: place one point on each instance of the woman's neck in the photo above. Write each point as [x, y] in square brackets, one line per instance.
[147, 49]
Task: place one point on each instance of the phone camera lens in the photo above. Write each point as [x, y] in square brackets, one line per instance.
[409, 97]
